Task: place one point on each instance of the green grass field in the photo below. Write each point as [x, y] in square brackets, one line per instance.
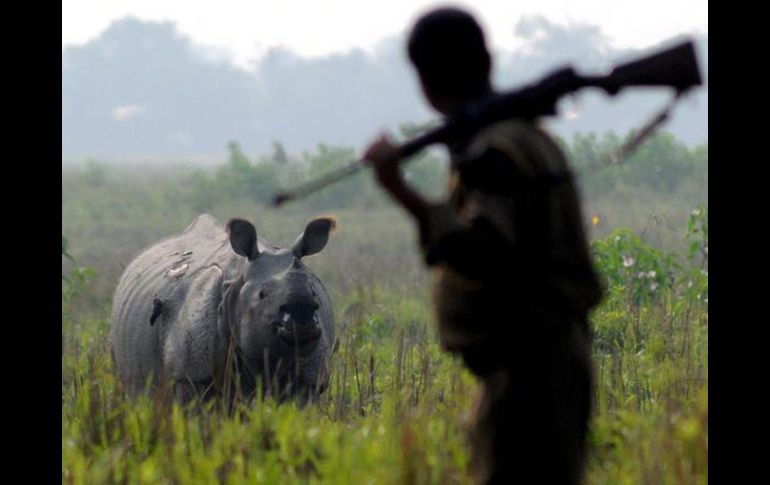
[396, 406]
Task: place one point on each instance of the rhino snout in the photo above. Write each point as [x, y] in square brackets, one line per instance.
[299, 323]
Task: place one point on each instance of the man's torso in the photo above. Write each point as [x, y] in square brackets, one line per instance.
[513, 179]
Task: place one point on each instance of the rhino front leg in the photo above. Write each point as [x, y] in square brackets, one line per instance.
[188, 391]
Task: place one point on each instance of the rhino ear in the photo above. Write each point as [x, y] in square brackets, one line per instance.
[243, 238]
[314, 238]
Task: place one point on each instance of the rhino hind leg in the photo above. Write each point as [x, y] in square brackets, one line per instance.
[190, 348]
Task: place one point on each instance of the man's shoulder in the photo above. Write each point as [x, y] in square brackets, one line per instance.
[528, 147]
[509, 132]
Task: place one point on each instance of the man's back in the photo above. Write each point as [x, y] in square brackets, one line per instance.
[513, 286]
[522, 268]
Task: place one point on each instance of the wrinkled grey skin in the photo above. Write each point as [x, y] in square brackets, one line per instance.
[217, 302]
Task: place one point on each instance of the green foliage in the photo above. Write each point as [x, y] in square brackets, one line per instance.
[279, 155]
[661, 164]
[64, 244]
[204, 192]
[95, 173]
[78, 279]
[696, 281]
[698, 234]
[76, 282]
[241, 178]
[378, 422]
[394, 409]
[393, 412]
[396, 404]
[345, 193]
[626, 262]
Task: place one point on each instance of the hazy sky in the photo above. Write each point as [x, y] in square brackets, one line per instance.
[244, 29]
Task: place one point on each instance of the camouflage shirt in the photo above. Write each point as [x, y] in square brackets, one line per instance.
[508, 248]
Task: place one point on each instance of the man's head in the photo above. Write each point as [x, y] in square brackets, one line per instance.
[448, 50]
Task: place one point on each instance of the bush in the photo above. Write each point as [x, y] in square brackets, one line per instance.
[626, 262]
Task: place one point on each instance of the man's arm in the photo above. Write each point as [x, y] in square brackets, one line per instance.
[480, 247]
[383, 156]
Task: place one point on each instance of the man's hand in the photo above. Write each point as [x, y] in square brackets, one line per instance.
[382, 154]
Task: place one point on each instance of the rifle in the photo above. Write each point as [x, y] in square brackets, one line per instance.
[675, 67]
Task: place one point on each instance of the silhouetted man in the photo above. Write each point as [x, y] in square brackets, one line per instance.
[513, 276]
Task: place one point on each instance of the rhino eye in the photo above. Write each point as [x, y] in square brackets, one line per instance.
[262, 294]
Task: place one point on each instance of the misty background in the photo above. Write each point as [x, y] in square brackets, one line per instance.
[142, 89]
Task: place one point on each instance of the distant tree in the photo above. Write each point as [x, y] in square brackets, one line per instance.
[346, 192]
[237, 160]
[239, 177]
[661, 163]
[95, 173]
[279, 154]
[203, 192]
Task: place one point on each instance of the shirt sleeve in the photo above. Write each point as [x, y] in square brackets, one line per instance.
[485, 238]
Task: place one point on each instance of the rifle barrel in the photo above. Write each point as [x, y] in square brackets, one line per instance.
[319, 183]
[675, 67]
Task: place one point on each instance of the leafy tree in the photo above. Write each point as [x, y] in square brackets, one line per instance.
[240, 178]
[95, 173]
[279, 154]
[661, 163]
[355, 189]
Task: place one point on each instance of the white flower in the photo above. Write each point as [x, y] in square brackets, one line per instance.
[651, 274]
[628, 261]
[653, 286]
[695, 213]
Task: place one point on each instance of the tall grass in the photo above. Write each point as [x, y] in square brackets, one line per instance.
[396, 406]
[394, 410]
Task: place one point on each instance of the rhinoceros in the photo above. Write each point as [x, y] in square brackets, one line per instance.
[216, 308]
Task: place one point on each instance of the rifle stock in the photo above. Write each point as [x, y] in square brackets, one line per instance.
[675, 67]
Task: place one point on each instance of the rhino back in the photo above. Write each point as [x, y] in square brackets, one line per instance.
[157, 281]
